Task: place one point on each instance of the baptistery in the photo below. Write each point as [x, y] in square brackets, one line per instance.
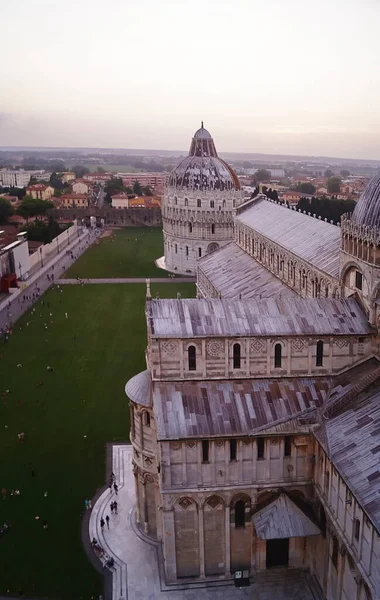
[197, 210]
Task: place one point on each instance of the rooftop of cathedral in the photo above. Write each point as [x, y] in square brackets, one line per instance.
[311, 239]
[191, 318]
[250, 280]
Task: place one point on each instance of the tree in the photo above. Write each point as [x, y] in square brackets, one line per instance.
[328, 173]
[333, 185]
[100, 170]
[261, 175]
[79, 171]
[32, 207]
[247, 165]
[345, 173]
[147, 191]
[56, 181]
[6, 210]
[137, 188]
[113, 186]
[306, 188]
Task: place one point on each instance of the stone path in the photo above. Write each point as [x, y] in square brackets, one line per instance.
[138, 560]
[127, 280]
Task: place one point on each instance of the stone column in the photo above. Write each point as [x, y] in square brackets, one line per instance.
[228, 539]
[145, 503]
[201, 543]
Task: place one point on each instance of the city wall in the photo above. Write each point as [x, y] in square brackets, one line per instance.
[121, 217]
[45, 252]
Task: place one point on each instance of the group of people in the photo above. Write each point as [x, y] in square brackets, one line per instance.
[107, 561]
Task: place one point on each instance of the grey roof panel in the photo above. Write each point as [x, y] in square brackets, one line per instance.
[191, 318]
[243, 407]
[234, 273]
[313, 240]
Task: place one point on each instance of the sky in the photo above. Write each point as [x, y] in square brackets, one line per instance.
[270, 76]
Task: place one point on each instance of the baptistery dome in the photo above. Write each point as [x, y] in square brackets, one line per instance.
[367, 210]
[197, 208]
[202, 169]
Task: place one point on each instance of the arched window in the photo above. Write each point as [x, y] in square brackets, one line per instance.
[199, 203]
[190, 228]
[236, 356]
[176, 248]
[319, 359]
[224, 204]
[146, 418]
[212, 228]
[199, 252]
[192, 358]
[356, 529]
[187, 250]
[240, 513]
[175, 200]
[212, 203]
[186, 202]
[277, 356]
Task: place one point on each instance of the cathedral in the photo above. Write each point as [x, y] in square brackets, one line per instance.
[255, 427]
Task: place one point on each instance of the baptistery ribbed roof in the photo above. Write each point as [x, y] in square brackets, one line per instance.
[202, 169]
[367, 210]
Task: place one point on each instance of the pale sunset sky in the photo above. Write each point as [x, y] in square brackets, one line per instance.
[271, 76]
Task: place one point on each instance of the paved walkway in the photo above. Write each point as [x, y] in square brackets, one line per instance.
[128, 280]
[138, 560]
[12, 306]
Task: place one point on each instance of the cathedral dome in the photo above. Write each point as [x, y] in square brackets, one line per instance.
[367, 210]
[202, 169]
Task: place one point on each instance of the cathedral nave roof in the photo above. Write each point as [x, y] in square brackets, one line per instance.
[233, 272]
[191, 317]
[313, 240]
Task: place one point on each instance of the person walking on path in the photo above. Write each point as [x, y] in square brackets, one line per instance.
[110, 486]
[115, 488]
[115, 507]
[111, 507]
[108, 521]
[102, 523]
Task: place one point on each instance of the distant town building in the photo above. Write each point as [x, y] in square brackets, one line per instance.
[18, 179]
[80, 186]
[154, 180]
[75, 200]
[125, 201]
[67, 176]
[120, 201]
[39, 191]
[98, 178]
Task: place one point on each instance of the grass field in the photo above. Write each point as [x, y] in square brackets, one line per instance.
[129, 252]
[67, 415]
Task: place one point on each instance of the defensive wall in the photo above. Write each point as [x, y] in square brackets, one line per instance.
[123, 217]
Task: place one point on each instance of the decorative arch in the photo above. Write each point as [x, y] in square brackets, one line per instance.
[213, 502]
[212, 247]
[350, 265]
[185, 503]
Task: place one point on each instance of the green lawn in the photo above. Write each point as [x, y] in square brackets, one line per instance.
[129, 252]
[67, 416]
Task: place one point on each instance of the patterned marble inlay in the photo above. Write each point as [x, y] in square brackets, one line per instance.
[341, 343]
[169, 347]
[257, 346]
[214, 348]
[299, 345]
